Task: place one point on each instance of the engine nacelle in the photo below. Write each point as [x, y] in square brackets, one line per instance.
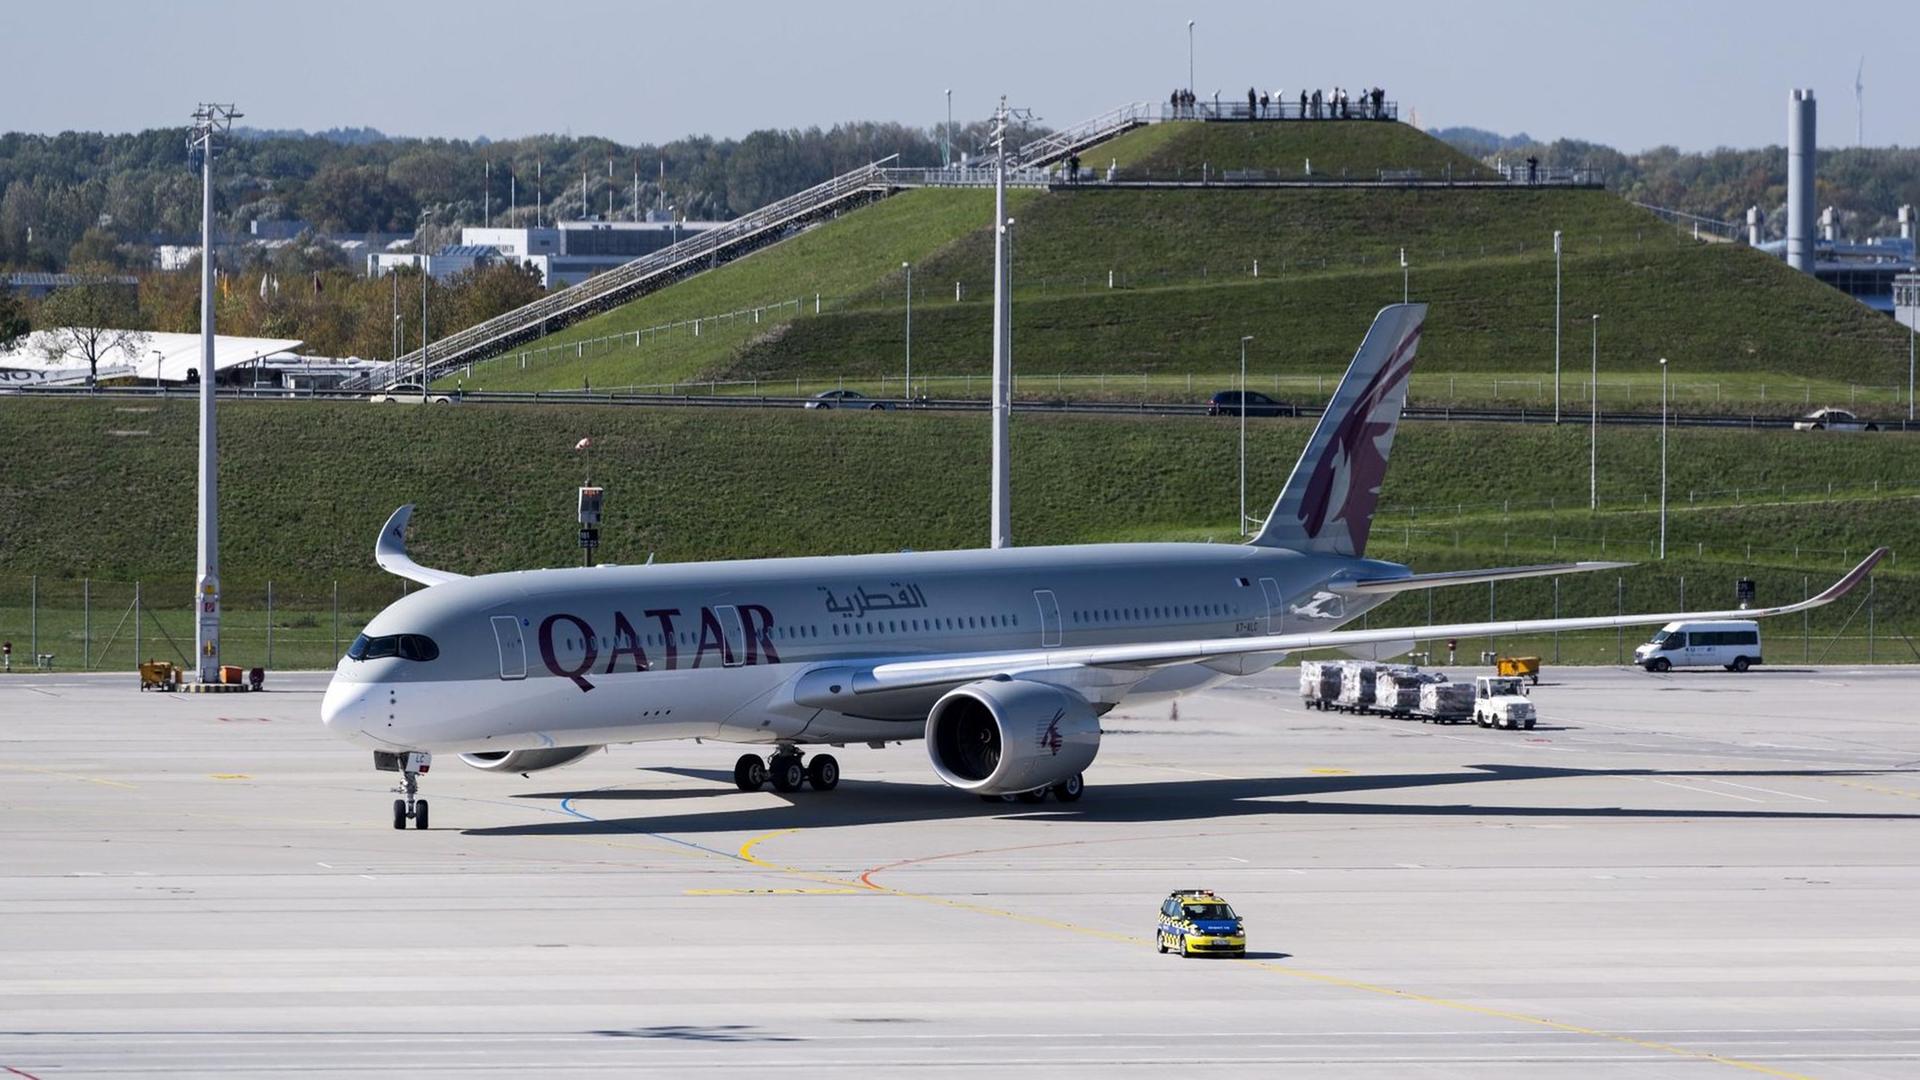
[527, 761]
[1002, 737]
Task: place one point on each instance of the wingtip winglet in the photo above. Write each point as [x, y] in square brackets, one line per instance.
[1856, 575]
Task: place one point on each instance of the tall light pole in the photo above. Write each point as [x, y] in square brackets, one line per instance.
[1663, 457]
[1556, 326]
[1593, 435]
[1189, 56]
[212, 124]
[1406, 279]
[908, 267]
[1000, 529]
[946, 134]
[1243, 433]
[423, 329]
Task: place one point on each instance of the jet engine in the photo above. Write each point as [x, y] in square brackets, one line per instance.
[527, 761]
[1006, 736]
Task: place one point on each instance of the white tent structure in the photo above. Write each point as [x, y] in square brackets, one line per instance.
[161, 357]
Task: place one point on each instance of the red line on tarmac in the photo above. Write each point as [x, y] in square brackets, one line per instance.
[19, 1072]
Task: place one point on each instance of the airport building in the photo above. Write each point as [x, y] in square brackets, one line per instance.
[564, 254]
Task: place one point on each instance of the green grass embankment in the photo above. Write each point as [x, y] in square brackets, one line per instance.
[1354, 148]
[305, 487]
[834, 259]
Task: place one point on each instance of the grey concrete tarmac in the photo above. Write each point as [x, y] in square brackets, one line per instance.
[1688, 875]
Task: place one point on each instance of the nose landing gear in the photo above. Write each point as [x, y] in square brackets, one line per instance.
[786, 771]
[410, 766]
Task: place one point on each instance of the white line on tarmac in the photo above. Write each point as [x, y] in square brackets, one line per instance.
[1769, 791]
[1704, 791]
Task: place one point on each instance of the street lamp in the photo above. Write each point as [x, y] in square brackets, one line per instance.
[1406, 281]
[908, 267]
[1189, 56]
[1556, 326]
[1663, 457]
[946, 135]
[1593, 438]
[1243, 433]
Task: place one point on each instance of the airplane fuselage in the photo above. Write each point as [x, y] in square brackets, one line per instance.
[733, 650]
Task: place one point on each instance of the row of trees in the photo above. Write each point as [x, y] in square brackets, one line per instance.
[82, 197]
[1866, 185]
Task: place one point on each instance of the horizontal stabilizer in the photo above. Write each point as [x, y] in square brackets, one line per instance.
[1443, 578]
[390, 552]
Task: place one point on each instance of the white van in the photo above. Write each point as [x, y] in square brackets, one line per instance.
[1732, 645]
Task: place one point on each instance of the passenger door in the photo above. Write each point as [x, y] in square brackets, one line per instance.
[1049, 617]
[1276, 605]
[511, 645]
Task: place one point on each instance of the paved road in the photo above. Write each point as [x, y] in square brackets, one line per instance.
[1692, 875]
[1146, 408]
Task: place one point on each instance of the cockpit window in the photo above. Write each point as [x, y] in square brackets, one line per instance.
[405, 646]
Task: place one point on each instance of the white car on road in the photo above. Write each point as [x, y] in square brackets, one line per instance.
[1833, 420]
[411, 392]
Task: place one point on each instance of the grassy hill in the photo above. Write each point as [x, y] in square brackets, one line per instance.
[1185, 150]
[1744, 332]
[307, 485]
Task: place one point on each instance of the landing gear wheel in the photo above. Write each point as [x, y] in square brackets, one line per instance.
[750, 773]
[408, 806]
[823, 772]
[1034, 796]
[787, 773]
[1070, 789]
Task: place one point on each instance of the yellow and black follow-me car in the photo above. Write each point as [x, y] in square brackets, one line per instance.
[1195, 921]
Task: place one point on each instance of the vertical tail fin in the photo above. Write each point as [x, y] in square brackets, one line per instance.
[1327, 505]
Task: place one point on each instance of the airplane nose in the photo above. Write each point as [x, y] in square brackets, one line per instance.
[343, 709]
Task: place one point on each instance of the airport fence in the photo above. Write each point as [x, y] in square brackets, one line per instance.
[91, 624]
[56, 623]
[1872, 625]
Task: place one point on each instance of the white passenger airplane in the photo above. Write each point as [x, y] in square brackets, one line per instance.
[1003, 660]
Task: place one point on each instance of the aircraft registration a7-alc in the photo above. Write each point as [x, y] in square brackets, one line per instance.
[1002, 660]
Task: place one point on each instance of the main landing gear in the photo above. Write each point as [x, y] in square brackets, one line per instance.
[1068, 790]
[786, 772]
[410, 766]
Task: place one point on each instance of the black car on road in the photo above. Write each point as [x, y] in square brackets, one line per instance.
[1227, 403]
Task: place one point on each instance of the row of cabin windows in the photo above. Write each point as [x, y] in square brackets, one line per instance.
[921, 626]
[1176, 611]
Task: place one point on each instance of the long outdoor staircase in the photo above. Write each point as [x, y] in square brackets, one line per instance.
[603, 292]
[1048, 149]
[741, 236]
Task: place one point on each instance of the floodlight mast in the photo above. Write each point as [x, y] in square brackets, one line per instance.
[212, 126]
[1000, 529]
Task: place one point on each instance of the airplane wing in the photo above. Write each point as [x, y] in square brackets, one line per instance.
[390, 552]
[943, 671]
[1443, 578]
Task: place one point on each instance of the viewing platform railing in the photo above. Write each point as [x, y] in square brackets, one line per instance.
[1286, 109]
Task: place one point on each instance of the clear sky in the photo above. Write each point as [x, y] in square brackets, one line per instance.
[1630, 73]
